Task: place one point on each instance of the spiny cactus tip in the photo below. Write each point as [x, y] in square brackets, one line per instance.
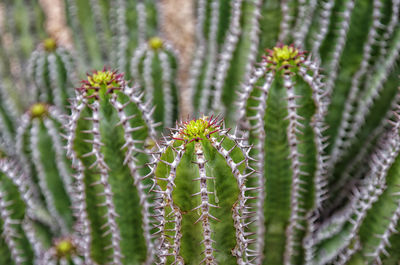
[198, 129]
[284, 57]
[102, 82]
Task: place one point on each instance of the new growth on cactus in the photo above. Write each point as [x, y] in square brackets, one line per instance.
[200, 175]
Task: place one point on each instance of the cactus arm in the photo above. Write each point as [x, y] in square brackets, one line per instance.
[167, 91]
[147, 75]
[346, 125]
[228, 48]
[119, 28]
[211, 59]
[101, 28]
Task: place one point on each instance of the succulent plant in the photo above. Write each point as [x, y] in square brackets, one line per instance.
[203, 211]
[322, 125]
[107, 132]
[153, 66]
[52, 71]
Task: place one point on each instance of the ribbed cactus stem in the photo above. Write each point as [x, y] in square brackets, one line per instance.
[339, 45]
[153, 66]
[108, 128]
[323, 26]
[202, 142]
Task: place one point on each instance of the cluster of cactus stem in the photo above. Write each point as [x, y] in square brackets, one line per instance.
[109, 170]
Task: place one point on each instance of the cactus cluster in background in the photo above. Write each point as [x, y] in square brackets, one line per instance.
[113, 169]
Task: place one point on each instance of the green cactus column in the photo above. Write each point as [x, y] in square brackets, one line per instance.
[51, 68]
[41, 152]
[107, 131]
[154, 67]
[282, 107]
[204, 214]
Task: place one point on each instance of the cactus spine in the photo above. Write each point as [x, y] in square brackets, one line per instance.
[108, 128]
[200, 174]
[154, 66]
[283, 110]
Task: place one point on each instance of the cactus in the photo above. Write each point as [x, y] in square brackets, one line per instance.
[200, 174]
[284, 98]
[324, 127]
[107, 132]
[51, 68]
[40, 151]
[154, 67]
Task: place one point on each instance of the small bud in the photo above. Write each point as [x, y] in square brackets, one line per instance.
[64, 247]
[50, 45]
[155, 43]
[284, 57]
[38, 110]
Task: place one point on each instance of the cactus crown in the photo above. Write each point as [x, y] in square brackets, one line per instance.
[38, 110]
[64, 247]
[103, 82]
[155, 43]
[196, 130]
[49, 45]
[284, 57]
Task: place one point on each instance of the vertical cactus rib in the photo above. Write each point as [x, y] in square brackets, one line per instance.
[285, 22]
[259, 127]
[80, 205]
[137, 179]
[197, 62]
[226, 55]
[167, 91]
[111, 226]
[324, 22]
[293, 129]
[343, 26]
[212, 51]
[204, 207]
[303, 21]
[345, 130]
[100, 28]
[141, 21]
[121, 37]
[41, 174]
